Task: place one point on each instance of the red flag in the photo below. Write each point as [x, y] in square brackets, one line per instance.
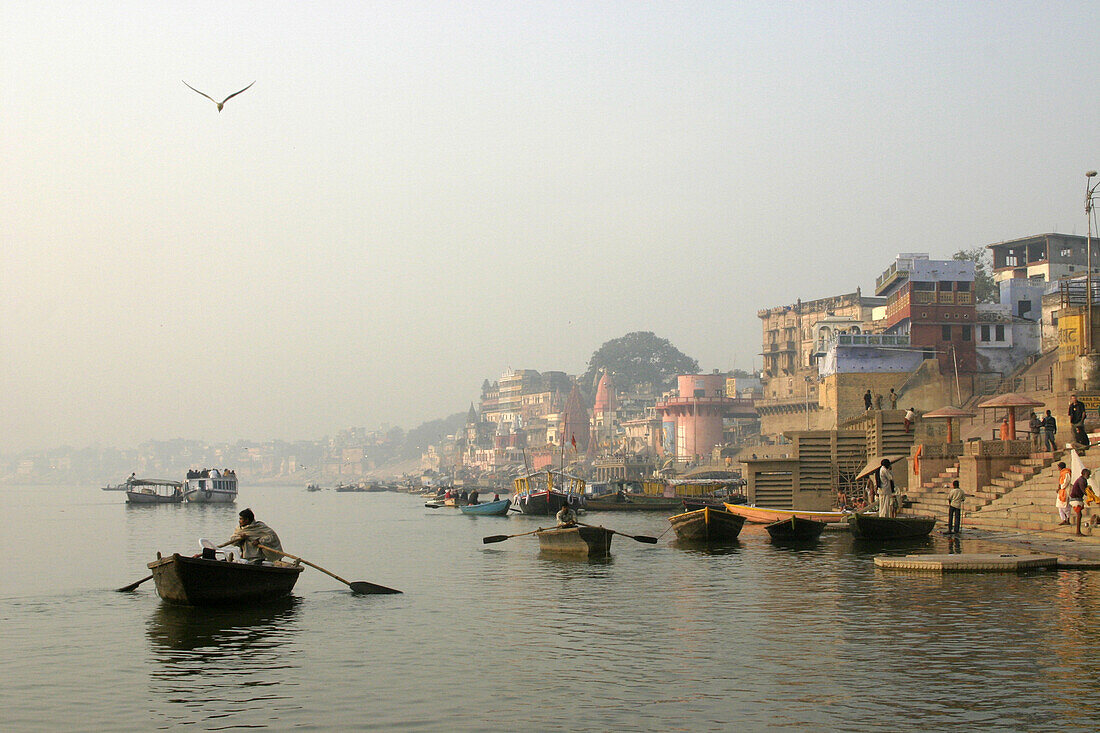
[573, 440]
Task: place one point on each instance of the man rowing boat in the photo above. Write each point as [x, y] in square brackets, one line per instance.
[250, 533]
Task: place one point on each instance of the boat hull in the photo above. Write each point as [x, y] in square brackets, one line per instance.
[764, 515]
[139, 497]
[796, 528]
[201, 496]
[544, 503]
[707, 525]
[871, 527]
[488, 509]
[578, 541]
[196, 581]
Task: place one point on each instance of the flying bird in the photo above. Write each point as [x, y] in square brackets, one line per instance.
[221, 103]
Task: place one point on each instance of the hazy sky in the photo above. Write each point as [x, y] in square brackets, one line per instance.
[416, 196]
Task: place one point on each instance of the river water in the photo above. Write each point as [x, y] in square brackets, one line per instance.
[498, 637]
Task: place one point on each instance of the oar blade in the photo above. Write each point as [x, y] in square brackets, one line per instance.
[494, 538]
[645, 539]
[133, 586]
[365, 588]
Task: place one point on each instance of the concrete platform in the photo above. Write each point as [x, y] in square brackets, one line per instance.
[967, 563]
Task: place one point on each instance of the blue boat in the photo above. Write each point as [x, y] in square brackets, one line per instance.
[489, 508]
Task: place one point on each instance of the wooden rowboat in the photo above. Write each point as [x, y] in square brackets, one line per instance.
[489, 508]
[581, 540]
[873, 527]
[764, 515]
[197, 581]
[796, 528]
[707, 525]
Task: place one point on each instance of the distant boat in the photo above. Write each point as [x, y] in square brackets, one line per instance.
[582, 540]
[796, 528]
[707, 525]
[196, 581]
[874, 527]
[211, 486]
[313, 487]
[489, 508]
[153, 491]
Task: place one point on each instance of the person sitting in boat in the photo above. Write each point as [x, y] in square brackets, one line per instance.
[566, 516]
[250, 533]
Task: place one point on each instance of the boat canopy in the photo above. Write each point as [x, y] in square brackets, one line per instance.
[153, 482]
[549, 480]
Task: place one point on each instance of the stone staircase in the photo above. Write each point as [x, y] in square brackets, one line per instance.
[1028, 507]
[989, 505]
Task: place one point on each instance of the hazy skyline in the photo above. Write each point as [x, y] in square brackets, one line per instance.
[416, 196]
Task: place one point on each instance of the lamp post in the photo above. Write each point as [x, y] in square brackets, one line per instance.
[1090, 189]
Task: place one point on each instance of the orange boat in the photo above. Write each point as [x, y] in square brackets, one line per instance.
[764, 515]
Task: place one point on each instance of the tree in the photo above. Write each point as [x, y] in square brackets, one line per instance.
[638, 358]
[985, 290]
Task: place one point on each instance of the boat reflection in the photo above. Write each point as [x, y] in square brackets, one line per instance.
[725, 547]
[207, 661]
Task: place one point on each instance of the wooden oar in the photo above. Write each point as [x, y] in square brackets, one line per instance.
[128, 588]
[636, 537]
[501, 537]
[359, 586]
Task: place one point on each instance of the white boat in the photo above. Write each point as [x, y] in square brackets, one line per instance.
[210, 486]
[153, 491]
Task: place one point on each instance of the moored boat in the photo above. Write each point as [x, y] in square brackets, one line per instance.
[874, 527]
[764, 515]
[489, 508]
[545, 492]
[211, 486]
[707, 525]
[796, 528]
[580, 540]
[153, 491]
[623, 502]
[199, 581]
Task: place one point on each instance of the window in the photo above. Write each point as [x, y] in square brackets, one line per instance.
[1023, 307]
[1066, 252]
[1011, 261]
[945, 333]
[966, 333]
[999, 334]
[963, 287]
[984, 335]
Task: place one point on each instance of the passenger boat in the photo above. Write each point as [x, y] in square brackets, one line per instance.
[545, 492]
[203, 581]
[796, 528]
[623, 502]
[707, 525]
[153, 491]
[211, 486]
[489, 508]
[764, 515]
[874, 527]
[313, 487]
[580, 540]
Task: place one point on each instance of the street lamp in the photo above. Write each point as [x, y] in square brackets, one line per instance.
[1090, 188]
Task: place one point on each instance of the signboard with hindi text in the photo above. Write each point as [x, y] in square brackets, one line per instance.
[1070, 337]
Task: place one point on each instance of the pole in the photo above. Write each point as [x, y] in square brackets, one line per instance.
[807, 384]
[955, 360]
[1089, 189]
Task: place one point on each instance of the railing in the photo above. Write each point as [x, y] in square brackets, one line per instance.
[941, 450]
[998, 448]
[872, 339]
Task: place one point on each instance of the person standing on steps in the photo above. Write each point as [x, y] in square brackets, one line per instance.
[954, 508]
[893, 399]
[867, 400]
[910, 416]
[1050, 429]
[1064, 484]
[1077, 497]
[1035, 427]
